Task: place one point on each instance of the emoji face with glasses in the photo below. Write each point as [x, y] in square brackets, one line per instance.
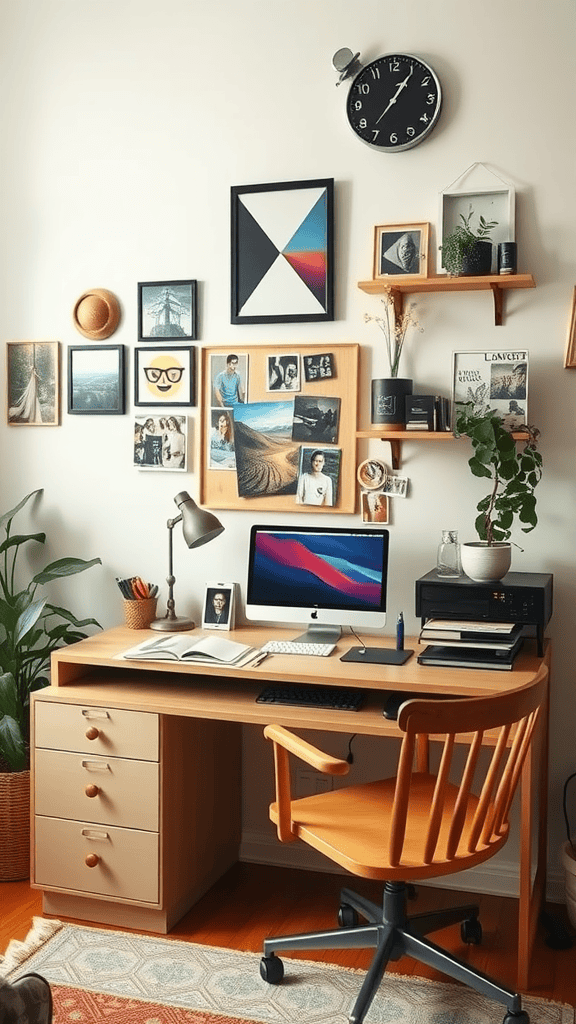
[164, 376]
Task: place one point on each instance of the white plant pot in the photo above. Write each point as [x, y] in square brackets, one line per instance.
[484, 563]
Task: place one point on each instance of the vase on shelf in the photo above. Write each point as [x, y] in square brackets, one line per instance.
[389, 402]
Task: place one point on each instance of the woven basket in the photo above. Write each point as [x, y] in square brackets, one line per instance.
[14, 826]
[139, 614]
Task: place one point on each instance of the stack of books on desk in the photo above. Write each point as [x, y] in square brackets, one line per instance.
[463, 644]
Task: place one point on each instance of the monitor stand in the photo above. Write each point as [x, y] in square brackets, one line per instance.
[319, 635]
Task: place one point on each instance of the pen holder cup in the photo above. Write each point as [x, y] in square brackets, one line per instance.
[139, 614]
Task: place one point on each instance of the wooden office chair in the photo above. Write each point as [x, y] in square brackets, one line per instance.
[422, 823]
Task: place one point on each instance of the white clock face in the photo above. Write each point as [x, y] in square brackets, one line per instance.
[394, 102]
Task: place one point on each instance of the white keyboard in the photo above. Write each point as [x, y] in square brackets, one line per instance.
[292, 647]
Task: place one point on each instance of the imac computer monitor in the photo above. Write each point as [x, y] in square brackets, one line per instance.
[322, 577]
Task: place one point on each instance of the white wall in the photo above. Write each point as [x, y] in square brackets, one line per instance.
[125, 123]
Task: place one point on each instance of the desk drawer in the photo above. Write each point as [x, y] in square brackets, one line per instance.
[126, 859]
[126, 791]
[97, 730]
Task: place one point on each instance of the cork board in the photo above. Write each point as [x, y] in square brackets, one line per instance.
[219, 488]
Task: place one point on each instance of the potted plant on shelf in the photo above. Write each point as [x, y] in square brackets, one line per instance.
[389, 393]
[467, 252]
[514, 473]
[30, 629]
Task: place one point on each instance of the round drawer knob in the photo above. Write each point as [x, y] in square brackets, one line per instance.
[92, 859]
[92, 790]
[92, 733]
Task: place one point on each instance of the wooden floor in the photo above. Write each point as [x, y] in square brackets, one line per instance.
[253, 901]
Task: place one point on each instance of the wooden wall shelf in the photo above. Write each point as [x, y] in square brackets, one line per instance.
[496, 283]
[395, 438]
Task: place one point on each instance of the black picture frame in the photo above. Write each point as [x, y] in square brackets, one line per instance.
[161, 394]
[96, 380]
[282, 248]
[175, 300]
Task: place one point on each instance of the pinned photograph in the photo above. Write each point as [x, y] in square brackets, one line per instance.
[160, 442]
[319, 473]
[374, 507]
[316, 419]
[283, 373]
[266, 455]
[229, 379]
[221, 452]
[395, 486]
[319, 367]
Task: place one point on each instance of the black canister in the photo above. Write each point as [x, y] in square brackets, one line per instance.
[507, 253]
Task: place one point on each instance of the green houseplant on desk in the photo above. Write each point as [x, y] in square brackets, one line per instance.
[514, 475]
[30, 629]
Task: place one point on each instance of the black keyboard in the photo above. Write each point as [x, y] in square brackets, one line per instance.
[340, 698]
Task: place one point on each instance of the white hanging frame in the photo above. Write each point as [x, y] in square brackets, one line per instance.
[496, 200]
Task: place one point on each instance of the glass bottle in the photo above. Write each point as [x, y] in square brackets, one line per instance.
[448, 557]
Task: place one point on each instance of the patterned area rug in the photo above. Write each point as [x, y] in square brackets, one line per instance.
[122, 978]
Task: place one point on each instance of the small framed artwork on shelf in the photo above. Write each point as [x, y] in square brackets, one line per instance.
[283, 252]
[493, 380]
[96, 380]
[219, 606]
[33, 383]
[167, 311]
[570, 359]
[164, 376]
[401, 250]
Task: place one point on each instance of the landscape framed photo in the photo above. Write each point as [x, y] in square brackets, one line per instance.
[164, 376]
[282, 237]
[96, 384]
[33, 383]
[401, 250]
[167, 311]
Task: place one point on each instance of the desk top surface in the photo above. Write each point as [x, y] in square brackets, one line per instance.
[94, 672]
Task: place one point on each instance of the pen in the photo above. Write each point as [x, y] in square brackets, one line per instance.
[400, 632]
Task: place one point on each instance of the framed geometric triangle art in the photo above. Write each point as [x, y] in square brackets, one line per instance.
[283, 252]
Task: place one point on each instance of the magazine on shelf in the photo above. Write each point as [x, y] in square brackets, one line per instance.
[471, 633]
[203, 650]
[472, 657]
[493, 380]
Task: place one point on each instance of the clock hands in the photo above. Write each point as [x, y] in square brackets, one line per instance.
[396, 95]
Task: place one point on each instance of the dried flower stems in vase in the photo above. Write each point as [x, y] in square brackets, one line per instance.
[389, 393]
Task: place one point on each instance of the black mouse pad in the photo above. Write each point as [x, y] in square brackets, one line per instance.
[377, 656]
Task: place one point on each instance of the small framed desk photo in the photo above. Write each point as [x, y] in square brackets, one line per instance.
[219, 606]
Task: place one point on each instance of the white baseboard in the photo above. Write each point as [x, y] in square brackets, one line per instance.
[497, 879]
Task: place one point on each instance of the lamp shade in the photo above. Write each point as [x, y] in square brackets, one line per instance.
[198, 525]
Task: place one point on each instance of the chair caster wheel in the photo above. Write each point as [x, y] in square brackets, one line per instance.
[516, 1018]
[471, 932]
[271, 969]
[347, 916]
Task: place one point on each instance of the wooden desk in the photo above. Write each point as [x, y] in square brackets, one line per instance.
[168, 736]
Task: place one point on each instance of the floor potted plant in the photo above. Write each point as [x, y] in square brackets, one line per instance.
[467, 252]
[30, 629]
[389, 393]
[514, 474]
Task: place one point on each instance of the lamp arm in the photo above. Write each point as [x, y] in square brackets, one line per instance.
[171, 579]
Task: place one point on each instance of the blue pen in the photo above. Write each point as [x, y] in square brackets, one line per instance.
[400, 632]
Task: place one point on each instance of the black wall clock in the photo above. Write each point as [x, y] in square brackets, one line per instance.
[394, 101]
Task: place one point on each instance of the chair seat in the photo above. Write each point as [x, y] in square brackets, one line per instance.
[352, 827]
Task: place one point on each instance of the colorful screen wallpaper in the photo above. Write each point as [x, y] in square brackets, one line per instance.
[301, 570]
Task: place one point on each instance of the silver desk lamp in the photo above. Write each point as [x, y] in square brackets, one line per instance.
[198, 527]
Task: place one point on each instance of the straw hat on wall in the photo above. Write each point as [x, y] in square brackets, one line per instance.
[96, 314]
